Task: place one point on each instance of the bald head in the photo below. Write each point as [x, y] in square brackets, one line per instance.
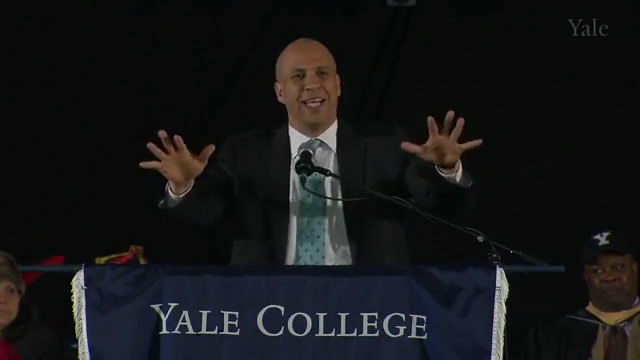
[308, 84]
[302, 46]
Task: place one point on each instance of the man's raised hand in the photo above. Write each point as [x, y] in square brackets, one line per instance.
[442, 147]
[175, 162]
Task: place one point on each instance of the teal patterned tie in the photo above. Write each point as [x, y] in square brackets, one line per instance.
[312, 218]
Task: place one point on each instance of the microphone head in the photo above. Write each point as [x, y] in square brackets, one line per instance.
[305, 155]
[304, 162]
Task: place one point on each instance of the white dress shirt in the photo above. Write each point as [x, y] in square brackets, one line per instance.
[337, 251]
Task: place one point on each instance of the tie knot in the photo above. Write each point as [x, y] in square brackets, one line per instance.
[312, 144]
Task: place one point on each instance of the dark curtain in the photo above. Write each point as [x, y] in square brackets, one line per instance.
[89, 84]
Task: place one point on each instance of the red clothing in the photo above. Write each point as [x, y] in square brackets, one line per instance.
[7, 352]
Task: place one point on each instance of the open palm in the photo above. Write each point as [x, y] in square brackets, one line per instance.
[442, 147]
[175, 162]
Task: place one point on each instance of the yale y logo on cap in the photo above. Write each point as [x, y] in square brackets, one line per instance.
[603, 238]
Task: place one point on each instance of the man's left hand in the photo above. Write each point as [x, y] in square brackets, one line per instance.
[442, 147]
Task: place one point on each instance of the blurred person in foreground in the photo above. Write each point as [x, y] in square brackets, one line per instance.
[608, 328]
[21, 336]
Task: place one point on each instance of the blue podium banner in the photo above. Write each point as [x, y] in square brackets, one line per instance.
[163, 312]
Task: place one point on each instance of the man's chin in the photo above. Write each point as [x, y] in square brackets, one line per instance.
[312, 113]
[320, 125]
[617, 300]
[317, 119]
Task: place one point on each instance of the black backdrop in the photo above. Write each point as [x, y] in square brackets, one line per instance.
[89, 85]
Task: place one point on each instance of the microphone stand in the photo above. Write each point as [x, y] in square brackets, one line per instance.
[494, 255]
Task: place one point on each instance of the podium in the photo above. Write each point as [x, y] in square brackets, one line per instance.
[281, 313]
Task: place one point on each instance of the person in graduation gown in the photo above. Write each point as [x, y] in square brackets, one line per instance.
[608, 328]
[634, 340]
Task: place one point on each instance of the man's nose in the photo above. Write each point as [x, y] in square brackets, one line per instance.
[311, 86]
[311, 82]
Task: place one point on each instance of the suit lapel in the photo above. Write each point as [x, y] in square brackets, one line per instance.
[279, 165]
[351, 166]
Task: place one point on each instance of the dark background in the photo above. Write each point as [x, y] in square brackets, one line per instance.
[89, 85]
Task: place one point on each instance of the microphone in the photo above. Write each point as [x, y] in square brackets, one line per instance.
[494, 257]
[304, 164]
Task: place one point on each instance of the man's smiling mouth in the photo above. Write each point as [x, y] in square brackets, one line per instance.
[313, 102]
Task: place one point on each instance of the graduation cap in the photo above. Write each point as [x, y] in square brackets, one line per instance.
[608, 242]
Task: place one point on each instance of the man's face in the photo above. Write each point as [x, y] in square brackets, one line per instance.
[9, 302]
[612, 282]
[308, 85]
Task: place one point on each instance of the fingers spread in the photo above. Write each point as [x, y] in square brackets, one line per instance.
[156, 151]
[411, 147]
[432, 126]
[448, 122]
[166, 141]
[180, 145]
[471, 144]
[150, 165]
[457, 131]
[206, 153]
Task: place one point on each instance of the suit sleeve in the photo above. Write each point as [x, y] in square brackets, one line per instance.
[211, 194]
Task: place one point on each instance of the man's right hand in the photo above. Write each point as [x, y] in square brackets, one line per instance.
[176, 163]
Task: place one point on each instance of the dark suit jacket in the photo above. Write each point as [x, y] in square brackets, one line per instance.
[250, 177]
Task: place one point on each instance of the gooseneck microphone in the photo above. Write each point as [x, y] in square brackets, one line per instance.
[305, 167]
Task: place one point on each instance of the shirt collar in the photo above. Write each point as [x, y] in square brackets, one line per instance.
[329, 137]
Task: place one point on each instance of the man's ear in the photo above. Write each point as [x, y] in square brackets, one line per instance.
[278, 90]
[339, 86]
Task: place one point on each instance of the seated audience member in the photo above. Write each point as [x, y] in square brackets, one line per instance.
[11, 291]
[22, 335]
[608, 328]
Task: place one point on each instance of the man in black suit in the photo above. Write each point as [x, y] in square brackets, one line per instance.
[281, 222]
